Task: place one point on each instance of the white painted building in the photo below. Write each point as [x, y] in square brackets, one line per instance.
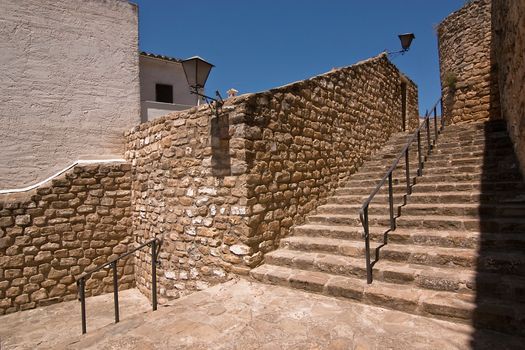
[163, 86]
[73, 81]
[69, 78]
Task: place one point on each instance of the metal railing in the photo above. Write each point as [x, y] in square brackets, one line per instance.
[81, 281]
[363, 213]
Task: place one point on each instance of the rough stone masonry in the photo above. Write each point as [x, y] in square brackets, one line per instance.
[51, 235]
[482, 66]
[220, 187]
[468, 74]
[222, 190]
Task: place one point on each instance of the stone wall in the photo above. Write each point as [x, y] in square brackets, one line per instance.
[467, 67]
[70, 84]
[508, 19]
[224, 190]
[177, 195]
[50, 235]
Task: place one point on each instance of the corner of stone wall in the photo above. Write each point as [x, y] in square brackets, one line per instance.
[223, 188]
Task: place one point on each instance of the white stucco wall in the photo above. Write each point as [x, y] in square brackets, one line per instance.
[159, 71]
[69, 80]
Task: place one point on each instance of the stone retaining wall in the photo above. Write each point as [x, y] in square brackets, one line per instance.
[468, 71]
[224, 190]
[508, 19]
[50, 235]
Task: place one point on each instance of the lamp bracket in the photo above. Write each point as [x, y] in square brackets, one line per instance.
[218, 101]
[396, 53]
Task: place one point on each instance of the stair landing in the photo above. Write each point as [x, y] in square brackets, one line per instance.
[250, 315]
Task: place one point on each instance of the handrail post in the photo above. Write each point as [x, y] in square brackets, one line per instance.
[420, 161]
[82, 292]
[428, 135]
[442, 113]
[115, 290]
[407, 171]
[391, 203]
[367, 246]
[154, 274]
[435, 125]
[441, 109]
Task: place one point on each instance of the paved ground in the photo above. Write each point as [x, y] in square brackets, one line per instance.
[45, 327]
[243, 315]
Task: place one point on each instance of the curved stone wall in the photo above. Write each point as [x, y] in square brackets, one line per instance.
[468, 71]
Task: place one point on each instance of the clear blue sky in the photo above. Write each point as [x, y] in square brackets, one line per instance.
[257, 45]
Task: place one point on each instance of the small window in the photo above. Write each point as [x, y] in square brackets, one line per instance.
[164, 93]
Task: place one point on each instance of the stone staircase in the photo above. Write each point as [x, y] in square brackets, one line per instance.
[458, 252]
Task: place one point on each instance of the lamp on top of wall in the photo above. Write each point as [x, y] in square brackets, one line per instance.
[406, 41]
[197, 71]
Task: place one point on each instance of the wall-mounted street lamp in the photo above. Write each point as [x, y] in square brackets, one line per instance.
[406, 41]
[197, 71]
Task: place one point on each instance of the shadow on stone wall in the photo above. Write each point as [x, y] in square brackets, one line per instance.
[499, 274]
[499, 266]
[220, 145]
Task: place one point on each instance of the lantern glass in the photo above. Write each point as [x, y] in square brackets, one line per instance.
[197, 71]
[406, 40]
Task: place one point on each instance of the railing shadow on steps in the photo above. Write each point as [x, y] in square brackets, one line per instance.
[424, 126]
[155, 244]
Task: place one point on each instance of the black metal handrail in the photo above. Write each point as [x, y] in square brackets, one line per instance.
[363, 212]
[81, 281]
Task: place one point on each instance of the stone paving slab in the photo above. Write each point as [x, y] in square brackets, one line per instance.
[245, 315]
[45, 327]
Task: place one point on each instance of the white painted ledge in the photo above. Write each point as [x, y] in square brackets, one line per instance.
[78, 162]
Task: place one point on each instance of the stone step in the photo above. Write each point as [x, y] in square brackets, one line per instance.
[429, 186]
[332, 231]
[490, 261]
[424, 255]
[455, 148]
[484, 210]
[453, 238]
[437, 178]
[437, 197]
[438, 222]
[452, 306]
[489, 149]
[359, 199]
[510, 171]
[440, 238]
[481, 162]
[460, 140]
[346, 220]
[496, 197]
[517, 187]
[475, 135]
[489, 143]
[333, 257]
[489, 154]
[470, 129]
[366, 190]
